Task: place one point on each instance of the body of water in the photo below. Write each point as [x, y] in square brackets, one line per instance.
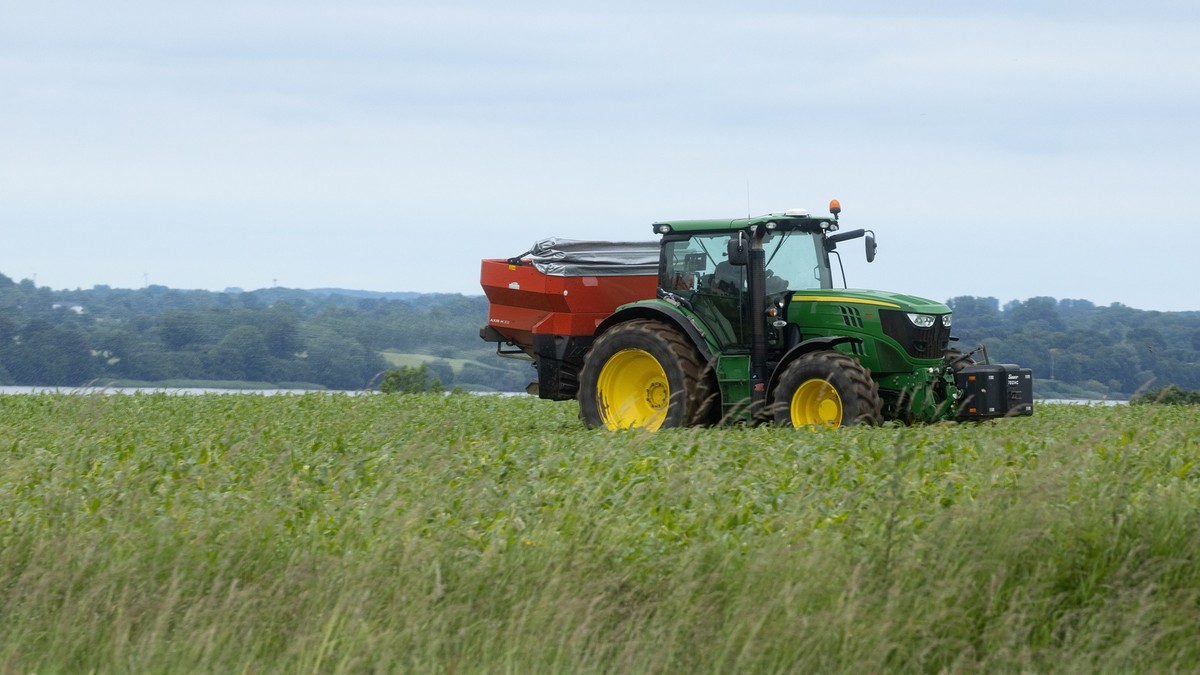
[180, 391]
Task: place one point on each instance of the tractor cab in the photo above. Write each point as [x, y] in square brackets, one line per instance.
[706, 268]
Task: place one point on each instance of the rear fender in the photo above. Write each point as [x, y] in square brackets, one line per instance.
[659, 310]
[807, 347]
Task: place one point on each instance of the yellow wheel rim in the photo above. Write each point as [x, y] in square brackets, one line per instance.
[633, 391]
[816, 402]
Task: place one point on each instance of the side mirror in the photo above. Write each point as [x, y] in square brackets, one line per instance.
[871, 247]
[738, 250]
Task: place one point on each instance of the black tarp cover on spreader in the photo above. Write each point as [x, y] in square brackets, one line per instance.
[576, 258]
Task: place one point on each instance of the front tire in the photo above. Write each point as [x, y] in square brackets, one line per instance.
[829, 389]
[640, 374]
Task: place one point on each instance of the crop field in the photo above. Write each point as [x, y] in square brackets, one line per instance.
[463, 534]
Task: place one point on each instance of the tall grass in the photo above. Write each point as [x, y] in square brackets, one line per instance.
[327, 533]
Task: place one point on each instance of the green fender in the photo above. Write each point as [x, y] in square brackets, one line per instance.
[807, 347]
[660, 310]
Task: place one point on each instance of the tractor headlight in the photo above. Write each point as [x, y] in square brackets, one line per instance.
[921, 320]
[946, 320]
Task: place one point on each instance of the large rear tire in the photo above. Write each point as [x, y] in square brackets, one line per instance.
[640, 374]
[826, 388]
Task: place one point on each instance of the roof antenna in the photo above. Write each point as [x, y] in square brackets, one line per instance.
[747, 199]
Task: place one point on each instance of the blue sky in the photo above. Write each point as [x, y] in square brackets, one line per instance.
[1003, 149]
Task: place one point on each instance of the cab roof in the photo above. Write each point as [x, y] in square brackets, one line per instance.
[794, 219]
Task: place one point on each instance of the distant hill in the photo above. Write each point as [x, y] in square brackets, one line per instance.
[280, 293]
[332, 338]
[377, 295]
[343, 338]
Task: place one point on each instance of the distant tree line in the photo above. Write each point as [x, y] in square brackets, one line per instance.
[277, 336]
[1077, 348]
[1168, 395]
[336, 339]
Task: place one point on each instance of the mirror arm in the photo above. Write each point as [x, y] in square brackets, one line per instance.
[843, 236]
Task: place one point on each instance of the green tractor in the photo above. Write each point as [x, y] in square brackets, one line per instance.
[745, 326]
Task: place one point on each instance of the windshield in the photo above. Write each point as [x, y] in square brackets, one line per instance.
[794, 262]
[698, 271]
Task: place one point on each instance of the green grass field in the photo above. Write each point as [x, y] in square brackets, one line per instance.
[464, 534]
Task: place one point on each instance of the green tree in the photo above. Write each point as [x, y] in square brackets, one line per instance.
[127, 353]
[242, 355]
[1040, 312]
[179, 329]
[1168, 395]
[50, 355]
[339, 362]
[281, 330]
[410, 380]
[8, 330]
[981, 315]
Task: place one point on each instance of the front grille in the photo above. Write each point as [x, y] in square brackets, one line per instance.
[920, 343]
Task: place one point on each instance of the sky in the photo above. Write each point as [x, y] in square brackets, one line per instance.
[1010, 150]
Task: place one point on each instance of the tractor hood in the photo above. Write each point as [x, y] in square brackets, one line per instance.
[883, 299]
